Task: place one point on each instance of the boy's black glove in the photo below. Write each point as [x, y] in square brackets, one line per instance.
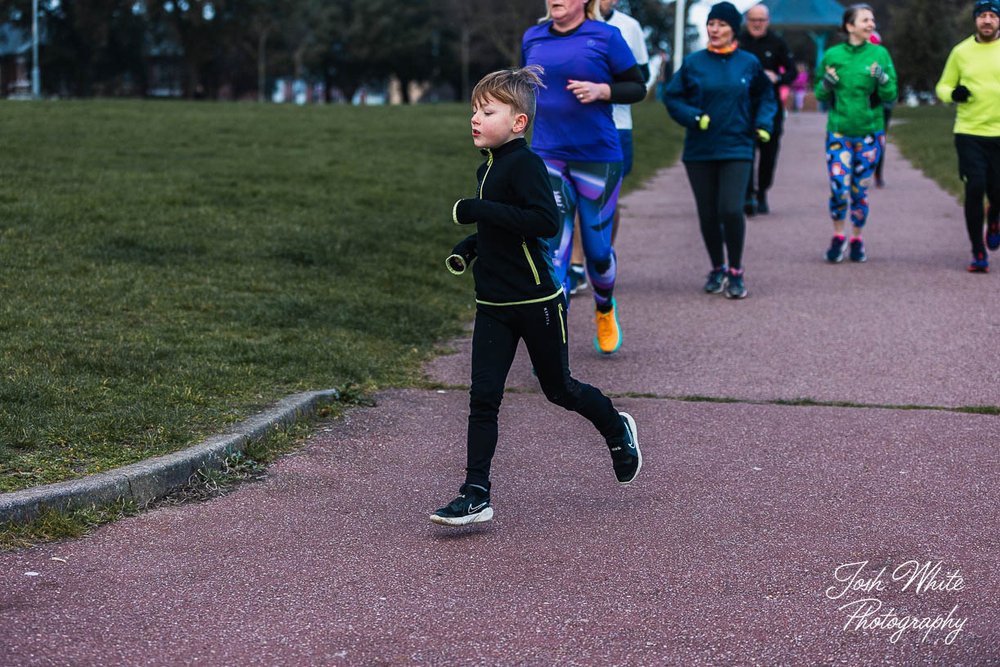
[960, 94]
[462, 255]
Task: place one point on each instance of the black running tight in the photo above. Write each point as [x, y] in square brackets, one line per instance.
[719, 188]
[979, 167]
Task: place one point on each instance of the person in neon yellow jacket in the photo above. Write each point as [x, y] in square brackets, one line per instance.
[858, 77]
[971, 79]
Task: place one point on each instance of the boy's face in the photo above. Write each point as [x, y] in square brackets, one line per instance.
[495, 123]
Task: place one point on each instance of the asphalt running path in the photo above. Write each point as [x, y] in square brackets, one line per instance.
[724, 551]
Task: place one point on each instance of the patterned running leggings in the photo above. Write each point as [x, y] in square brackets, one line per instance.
[592, 189]
[850, 163]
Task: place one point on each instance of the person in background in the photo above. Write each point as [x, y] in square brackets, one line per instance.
[858, 77]
[800, 86]
[887, 115]
[666, 70]
[724, 99]
[588, 68]
[634, 36]
[970, 79]
[779, 65]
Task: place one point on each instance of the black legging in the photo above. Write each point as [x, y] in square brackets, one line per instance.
[979, 167]
[887, 116]
[719, 188]
[542, 326]
[767, 157]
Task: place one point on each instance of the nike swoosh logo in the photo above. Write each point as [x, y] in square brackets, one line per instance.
[476, 508]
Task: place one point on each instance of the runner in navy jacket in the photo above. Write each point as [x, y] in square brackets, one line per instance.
[724, 99]
[726, 87]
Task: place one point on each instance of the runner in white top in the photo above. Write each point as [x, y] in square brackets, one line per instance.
[635, 37]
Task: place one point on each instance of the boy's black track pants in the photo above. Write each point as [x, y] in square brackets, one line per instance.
[542, 326]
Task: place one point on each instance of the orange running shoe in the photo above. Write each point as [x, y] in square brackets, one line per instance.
[609, 334]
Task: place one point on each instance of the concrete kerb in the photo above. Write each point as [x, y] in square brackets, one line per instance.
[154, 478]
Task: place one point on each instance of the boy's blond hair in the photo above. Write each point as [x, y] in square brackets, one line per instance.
[513, 87]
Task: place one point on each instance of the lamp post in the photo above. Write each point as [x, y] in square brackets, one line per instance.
[679, 28]
[36, 77]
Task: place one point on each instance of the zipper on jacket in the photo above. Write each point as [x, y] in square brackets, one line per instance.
[527, 255]
[489, 163]
[562, 323]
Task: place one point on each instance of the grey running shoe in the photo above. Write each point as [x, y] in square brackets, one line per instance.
[471, 506]
[716, 281]
[735, 286]
[625, 455]
[577, 279]
[762, 207]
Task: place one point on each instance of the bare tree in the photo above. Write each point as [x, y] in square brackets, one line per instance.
[489, 31]
[920, 68]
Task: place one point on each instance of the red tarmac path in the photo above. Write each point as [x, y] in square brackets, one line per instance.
[723, 552]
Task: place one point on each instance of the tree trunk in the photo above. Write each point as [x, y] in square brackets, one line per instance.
[298, 61]
[349, 89]
[466, 84]
[262, 66]
[194, 91]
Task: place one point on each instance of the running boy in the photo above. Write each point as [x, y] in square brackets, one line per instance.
[517, 294]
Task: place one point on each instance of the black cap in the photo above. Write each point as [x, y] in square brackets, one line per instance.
[726, 11]
[986, 6]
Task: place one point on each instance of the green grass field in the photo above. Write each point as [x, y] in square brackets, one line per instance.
[926, 138]
[167, 269]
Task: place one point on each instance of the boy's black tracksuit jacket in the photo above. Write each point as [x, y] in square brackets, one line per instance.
[516, 212]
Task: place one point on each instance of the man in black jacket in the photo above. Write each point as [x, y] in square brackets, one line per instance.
[779, 66]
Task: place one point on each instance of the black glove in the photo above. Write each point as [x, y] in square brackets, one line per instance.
[960, 94]
[880, 75]
[462, 255]
[830, 80]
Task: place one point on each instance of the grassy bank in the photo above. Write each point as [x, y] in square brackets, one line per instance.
[167, 269]
[927, 140]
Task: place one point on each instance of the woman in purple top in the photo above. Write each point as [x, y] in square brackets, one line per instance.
[587, 68]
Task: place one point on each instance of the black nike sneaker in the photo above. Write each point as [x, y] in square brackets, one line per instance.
[625, 455]
[471, 506]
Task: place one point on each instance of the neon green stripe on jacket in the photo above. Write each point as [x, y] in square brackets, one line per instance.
[977, 67]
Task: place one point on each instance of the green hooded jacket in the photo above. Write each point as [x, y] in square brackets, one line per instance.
[852, 112]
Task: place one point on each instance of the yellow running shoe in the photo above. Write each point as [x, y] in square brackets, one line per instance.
[609, 334]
